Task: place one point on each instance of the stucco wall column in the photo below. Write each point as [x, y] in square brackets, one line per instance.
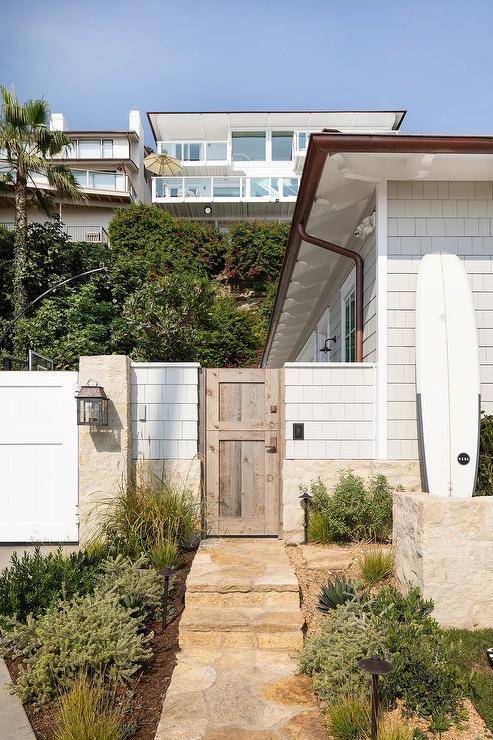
[104, 455]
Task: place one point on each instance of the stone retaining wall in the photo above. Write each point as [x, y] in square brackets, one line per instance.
[445, 547]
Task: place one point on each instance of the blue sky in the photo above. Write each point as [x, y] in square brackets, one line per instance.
[94, 60]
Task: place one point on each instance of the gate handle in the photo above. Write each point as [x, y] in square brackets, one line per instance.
[273, 445]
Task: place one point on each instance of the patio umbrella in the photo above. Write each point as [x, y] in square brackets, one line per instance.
[162, 165]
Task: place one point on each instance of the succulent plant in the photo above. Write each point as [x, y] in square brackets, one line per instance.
[334, 593]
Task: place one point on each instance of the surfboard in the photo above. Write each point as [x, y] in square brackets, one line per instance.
[447, 377]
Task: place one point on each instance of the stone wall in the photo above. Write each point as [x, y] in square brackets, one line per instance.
[403, 473]
[104, 454]
[445, 547]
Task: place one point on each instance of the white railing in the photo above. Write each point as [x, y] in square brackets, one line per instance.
[197, 152]
[75, 233]
[207, 189]
[92, 180]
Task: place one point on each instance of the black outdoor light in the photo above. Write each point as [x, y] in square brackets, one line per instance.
[305, 500]
[208, 210]
[325, 348]
[92, 405]
[376, 667]
[166, 574]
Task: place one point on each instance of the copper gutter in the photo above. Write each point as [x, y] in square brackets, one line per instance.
[324, 145]
[359, 288]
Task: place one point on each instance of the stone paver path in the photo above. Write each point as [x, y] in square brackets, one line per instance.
[236, 673]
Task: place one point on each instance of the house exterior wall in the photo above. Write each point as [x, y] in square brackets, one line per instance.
[332, 301]
[423, 217]
[336, 404]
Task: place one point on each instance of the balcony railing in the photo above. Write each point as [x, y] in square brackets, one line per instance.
[75, 233]
[207, 189]
[94, 180]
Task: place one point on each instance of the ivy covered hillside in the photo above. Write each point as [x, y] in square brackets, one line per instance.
[174, 290]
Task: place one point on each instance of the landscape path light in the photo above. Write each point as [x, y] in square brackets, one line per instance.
[305, 499]
[166, 574]
[376, 667]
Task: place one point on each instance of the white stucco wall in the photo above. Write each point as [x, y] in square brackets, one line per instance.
[423, 217]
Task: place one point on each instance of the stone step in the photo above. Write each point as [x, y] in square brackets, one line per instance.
[240, 599]
[249, 619]
[285, 640]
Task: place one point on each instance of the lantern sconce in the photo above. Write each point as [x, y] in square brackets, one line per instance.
[92, 405]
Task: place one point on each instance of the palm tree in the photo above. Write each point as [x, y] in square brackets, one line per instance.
[27, 147]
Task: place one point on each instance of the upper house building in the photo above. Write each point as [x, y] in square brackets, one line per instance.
[109, 167]
[241, 165]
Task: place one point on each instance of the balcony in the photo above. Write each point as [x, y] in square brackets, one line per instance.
[226, 189]
[96, 234]
[196, 152]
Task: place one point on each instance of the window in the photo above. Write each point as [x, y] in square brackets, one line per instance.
[102, 180]
[217, 151]
[192, 152]
[264, 187]
[282, 146]
[248, 146]
[107, 148]
[89, 148]
[349, 327]
[302, 140]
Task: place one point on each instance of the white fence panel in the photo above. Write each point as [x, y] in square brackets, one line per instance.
[38, 457]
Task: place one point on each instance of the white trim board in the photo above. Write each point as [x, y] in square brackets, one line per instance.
[382, 321]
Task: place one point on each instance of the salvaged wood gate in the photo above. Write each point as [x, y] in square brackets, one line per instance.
[242, 451]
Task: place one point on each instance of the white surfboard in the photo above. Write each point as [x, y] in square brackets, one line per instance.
[447, 377]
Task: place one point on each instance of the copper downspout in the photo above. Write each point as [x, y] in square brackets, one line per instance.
[359, 288]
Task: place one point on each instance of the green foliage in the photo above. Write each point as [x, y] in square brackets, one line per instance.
[85, 712]
[335, 593]
[376, 565]
[349, 719]
[146, 513]
[469, 648]
[354, 511]
[347, 634]
[165, 554]
[319, 528]
[138, 587]
[34, 582]
[91, 635]
[425, 675]
[166, 295]
[255, 251]
[484, 483]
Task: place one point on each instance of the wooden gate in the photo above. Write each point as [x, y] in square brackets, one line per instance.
[242, 451]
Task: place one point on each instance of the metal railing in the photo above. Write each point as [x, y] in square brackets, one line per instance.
[229, 188]
[75, 233]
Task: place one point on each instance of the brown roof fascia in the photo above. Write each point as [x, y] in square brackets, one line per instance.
[322, 146]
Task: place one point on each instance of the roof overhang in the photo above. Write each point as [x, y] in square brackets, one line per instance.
[337, 188]
[130, 135]
[215, 125]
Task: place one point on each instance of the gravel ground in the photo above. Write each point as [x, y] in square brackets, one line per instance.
[311, 579]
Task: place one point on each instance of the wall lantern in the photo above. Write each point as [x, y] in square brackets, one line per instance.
[92, 405]
[325, 348]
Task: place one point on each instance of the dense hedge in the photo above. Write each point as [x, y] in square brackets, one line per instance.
[175, 290]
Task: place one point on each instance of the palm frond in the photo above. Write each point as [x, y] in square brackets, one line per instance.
[37, 113]
[13, 111]
[56, 142]
[44, 201]
[7, 180]
[64, 183]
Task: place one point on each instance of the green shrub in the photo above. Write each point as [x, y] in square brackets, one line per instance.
[90, 635]
[484, 483]
[165, 554]
[347, 634]
[376, 566]
[353, 511]
[146, 513]
[425, 675]
[335, 593]
[85, 712]
[34, 582]
[255, 252]
[138, 587]
[349, 719]
[319, 529]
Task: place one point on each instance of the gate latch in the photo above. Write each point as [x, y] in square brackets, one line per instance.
[273, 445]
